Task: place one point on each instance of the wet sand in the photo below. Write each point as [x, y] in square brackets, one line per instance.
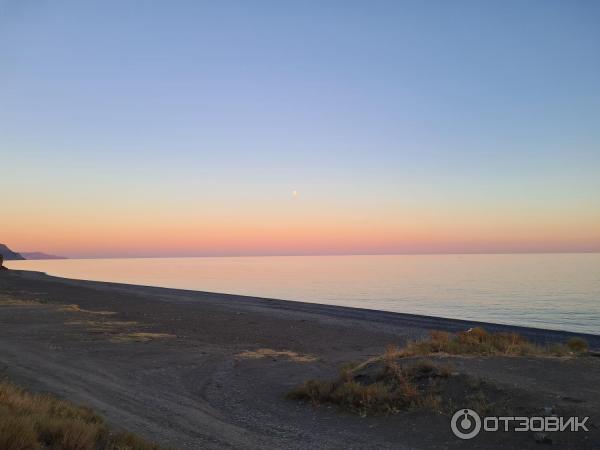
[204, 370]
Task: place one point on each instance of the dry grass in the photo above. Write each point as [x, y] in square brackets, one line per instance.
[478, 341]
[577, 345]
[270, 353]
[118, 331]
[140, 337]
[102, 326]
[78, 309]
[106, 323]
[36, 421]
[7, 301]
[388, 391]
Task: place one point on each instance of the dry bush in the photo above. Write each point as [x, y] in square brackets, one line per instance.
[391, 354]
[439, 340]
[432, 402]
[391, 389]
[362, 398]
[315, 391]
[577, 345]
[478, 341]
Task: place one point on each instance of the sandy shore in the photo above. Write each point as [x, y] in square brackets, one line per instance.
[203, 370]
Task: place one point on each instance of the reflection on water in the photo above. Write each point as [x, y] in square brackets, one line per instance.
[558, 291]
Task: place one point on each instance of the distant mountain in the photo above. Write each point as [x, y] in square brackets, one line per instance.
[7, 253]
[40, 255]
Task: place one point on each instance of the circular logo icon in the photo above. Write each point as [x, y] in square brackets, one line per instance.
[465, 424]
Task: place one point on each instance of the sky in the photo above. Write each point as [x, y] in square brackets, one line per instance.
[189, 128]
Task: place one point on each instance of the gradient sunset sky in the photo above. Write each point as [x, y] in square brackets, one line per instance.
[180, 128]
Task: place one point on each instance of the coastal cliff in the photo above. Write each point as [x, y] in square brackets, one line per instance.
[7, 253]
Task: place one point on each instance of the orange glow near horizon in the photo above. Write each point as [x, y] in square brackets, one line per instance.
[110, 218]
[154, 235]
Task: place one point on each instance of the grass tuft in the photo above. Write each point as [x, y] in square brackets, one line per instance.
[140, 337]
[274, 354]
[17, 433]
[478, 341]
[577, 345]
[39, 421]
[387, 391]
[78, 309]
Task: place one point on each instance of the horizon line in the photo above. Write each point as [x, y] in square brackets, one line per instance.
[542, 252]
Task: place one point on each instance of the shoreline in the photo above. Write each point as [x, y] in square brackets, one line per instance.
[390, 318]
[545, 292]
[190, 369]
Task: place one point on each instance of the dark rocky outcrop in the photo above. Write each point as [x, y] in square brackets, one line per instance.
[7, 253]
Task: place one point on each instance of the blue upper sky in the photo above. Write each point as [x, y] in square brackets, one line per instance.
[481, 103]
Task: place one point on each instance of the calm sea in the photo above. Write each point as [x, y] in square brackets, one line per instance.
[556, 291]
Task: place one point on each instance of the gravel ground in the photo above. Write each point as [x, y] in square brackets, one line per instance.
[186, 368]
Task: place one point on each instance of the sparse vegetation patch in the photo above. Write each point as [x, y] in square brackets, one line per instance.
[78, 309]
[401, 378]
[270, 353]
[7, 301]
[577, 345]
[140, 337]
[478, 341]
[38, 421]
[385, 387]
[102, 326]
